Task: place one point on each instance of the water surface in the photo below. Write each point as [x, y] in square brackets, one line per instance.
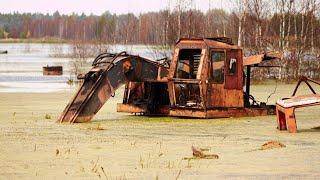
[21, 68]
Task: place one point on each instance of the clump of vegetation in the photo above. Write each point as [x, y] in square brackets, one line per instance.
[97, 128]
[47, 116]
[70, 81]
[14, 115]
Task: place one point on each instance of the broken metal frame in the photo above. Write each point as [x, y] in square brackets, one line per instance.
[286, 118]
[254, 62]
[305, 80]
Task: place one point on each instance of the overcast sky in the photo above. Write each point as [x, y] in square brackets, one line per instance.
[97, 7]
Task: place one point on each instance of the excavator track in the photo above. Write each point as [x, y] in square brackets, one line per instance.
[109, 72]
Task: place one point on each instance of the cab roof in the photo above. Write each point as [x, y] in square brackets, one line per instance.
[215, 43]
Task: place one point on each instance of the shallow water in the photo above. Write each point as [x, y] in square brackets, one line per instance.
[21, 68]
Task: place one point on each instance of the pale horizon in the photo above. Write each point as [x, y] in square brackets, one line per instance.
[97, 7]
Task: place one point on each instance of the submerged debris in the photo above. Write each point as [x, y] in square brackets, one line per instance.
[4, 52]
[198, 153]
[52, 70]
[272, 145]
[269, 145]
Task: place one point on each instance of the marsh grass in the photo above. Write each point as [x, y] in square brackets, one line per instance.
[97, 127]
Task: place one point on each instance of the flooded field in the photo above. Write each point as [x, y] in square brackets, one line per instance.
[123, 146]
[21, 68]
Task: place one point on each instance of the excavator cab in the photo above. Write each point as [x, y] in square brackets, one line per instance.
[205, 74]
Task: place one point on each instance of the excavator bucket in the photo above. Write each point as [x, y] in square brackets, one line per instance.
[109, 72]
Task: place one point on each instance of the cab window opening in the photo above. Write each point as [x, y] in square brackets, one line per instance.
[188, 63]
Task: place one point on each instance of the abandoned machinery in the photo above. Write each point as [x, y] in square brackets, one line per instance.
[204, 79]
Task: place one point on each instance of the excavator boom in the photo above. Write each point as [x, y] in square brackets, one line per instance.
[109, 72]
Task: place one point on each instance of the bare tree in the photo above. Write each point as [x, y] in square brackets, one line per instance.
[242, 13]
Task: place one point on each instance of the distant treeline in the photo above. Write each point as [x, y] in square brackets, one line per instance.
[288, 26]
[254, 23]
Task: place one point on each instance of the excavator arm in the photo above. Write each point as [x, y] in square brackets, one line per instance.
[109, 72]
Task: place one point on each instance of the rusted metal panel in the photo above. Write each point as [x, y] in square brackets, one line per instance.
[190, 44]
[52, 70]
[202, 63]
[173, 65]
[203, 76]
[171, 91]
[180, 112]
[142, 109]
[252, 60]
[205, 42]
[286, 119]
[221, 97]
[257, 59]
[220, 45]
[218, 113]
[130, 108]
[236, 112]
[216, 97]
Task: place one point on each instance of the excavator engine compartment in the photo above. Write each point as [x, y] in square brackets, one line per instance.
[204, 79]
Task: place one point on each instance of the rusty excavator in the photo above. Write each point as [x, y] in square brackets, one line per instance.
[204, 79]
